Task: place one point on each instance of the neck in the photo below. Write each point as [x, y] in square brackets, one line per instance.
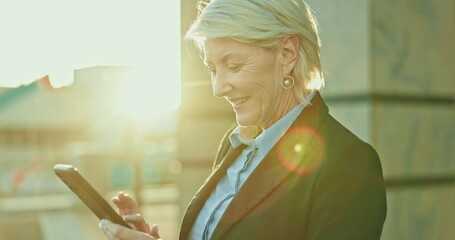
[281, 109]
[249, 132]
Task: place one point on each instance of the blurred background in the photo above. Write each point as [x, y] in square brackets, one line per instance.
[113, 88]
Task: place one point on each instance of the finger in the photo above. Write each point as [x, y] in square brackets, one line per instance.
[138, 222]
[122, 233]
[119, 205]
[109, 235]
[120, 199]
[125, 203]
[128, 203]
[154, 231]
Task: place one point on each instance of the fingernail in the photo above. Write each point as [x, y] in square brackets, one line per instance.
[101, 224]
[111, 227]
[155, 231]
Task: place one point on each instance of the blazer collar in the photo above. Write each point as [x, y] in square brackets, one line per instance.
[206, 189]
[281, 162]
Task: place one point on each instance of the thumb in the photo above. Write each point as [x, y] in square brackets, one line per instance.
[154, 231]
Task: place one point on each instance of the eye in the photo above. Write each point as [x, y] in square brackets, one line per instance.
[234, 67]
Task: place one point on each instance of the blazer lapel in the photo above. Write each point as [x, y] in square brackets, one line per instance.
[251, 194]
[206, 189]
[273, 170]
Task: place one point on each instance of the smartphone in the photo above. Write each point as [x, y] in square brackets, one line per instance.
[87, 194]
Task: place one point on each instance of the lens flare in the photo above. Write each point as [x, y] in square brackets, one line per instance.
[301, 150]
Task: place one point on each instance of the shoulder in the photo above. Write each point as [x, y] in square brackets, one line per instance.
[348, 188]
[350, 166]
[344, 149]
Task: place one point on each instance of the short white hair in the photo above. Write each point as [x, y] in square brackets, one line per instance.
[265, 23]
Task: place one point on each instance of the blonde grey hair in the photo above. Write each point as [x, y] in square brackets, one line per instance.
[265, 23]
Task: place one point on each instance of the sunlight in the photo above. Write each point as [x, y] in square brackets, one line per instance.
[152, 86]
[54, 38]
[145, 93]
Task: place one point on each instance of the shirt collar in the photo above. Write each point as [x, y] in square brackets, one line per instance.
[272, 134]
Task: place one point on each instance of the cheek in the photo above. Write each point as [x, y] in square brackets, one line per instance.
[264, 88]
[264, 99]
[270, 85]
[269, 96]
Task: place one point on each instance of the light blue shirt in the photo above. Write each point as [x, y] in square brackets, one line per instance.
[239, 171]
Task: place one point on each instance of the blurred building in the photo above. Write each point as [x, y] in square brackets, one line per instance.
[80, 125]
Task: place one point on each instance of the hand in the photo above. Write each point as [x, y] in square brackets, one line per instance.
[117, 232]
[129, 210]
[126, 204]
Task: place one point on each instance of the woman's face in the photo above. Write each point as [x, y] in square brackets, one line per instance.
[248, 77]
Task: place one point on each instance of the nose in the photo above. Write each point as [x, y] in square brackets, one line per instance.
[221, 85]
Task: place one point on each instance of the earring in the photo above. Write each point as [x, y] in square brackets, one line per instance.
[287, 82]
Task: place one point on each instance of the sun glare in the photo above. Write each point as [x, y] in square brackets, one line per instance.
[146, 93]
[54, 38]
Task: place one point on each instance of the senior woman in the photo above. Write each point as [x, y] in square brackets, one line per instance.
[289, 170]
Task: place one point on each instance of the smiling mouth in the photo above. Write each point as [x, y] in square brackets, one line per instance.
[238, 101]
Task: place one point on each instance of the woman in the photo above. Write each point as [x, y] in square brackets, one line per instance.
[288, 170]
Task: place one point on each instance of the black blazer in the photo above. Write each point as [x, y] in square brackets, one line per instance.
[318, 182]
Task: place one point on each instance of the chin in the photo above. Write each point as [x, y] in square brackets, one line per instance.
[246, 121]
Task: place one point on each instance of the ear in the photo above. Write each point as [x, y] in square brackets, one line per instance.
[289, 53]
